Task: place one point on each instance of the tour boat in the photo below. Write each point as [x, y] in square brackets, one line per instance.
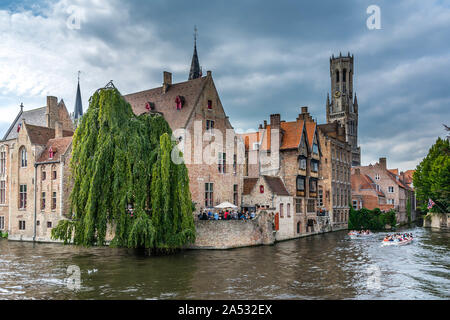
[355, 235]
[397, 242]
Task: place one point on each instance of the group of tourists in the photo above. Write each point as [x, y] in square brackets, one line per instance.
[359, 233]
[226, 215]
[399, 237]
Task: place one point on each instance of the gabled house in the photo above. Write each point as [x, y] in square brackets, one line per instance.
[290, 151]
[195, 114]
[397, 193]
[20, 150]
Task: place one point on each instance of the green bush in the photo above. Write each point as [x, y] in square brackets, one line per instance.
[371, 219]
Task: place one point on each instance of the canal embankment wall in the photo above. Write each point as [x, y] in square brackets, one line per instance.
[437, 221]
[228, 234]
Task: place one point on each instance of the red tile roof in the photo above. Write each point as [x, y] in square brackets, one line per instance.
[165, 102]
[59, 147]
[41, 135]
[364, 182]
[276, 185]
[291, 135]
[249, 184]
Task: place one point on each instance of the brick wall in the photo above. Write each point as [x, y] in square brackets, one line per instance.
[229, 234]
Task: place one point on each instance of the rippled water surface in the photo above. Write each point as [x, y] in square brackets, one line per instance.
[329, 266]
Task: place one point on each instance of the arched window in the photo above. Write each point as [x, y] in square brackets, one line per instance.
[337, 75]
[298, 227]
[23, 157]
[344, 75]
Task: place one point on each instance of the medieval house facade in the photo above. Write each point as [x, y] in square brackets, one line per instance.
[197, 118]
[34, 135]
[334, 185]
[396, 192]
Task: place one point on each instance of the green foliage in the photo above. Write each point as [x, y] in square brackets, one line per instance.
[408, 209]
[371, 219]
[4, 235]
[432, 177]
[118, 160]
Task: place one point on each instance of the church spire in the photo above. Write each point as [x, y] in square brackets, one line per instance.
[78, 112]
[195, 65]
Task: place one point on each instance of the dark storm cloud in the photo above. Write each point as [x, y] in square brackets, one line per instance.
[273, 57]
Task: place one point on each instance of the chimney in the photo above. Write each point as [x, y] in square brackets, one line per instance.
[383, 163]
[304, 115]
[58, 129]
[52, 111]
[275, 121]
[208, 73]
[357, 171]
[265, 124]
[305, 110]
[167, 81]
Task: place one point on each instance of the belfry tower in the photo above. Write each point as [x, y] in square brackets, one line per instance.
[343, 107]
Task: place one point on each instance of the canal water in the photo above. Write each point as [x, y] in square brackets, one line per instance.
[328, 266]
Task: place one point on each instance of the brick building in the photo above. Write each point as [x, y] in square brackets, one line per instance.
[366, 193]
[290, 151]
[334, 185]
[396, 192]
[268, 193]
[197, 118]
[31, 135]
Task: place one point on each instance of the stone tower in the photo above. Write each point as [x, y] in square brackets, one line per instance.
[343, 107]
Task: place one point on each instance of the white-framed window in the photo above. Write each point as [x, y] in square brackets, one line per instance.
[2, 223]
[2, 161]
[298, 205]
[222, 162]
[23, 196]
[54, 201]
[209, 194]
[320, 203]
[21, 225]
[23, 157]
[390, 201]
[2, 192]
[391, 189]
[281, 211]
[256, 146]
[355, 204]
[209, 125]
[377, 177]
[302, 163]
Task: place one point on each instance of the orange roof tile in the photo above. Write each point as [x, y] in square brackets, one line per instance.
[59, 147]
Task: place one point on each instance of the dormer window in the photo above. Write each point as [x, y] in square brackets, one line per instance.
[256, 146]
[150, 106]
[209, 104]
[315, 148]
[179, 101]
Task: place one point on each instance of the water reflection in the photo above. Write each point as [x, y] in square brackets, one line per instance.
[329, 266]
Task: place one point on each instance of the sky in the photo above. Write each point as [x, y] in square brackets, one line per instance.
[265, 56]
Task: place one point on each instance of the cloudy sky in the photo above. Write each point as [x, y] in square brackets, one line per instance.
[266, 57]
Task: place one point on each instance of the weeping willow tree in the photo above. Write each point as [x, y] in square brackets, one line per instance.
[124, 180]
